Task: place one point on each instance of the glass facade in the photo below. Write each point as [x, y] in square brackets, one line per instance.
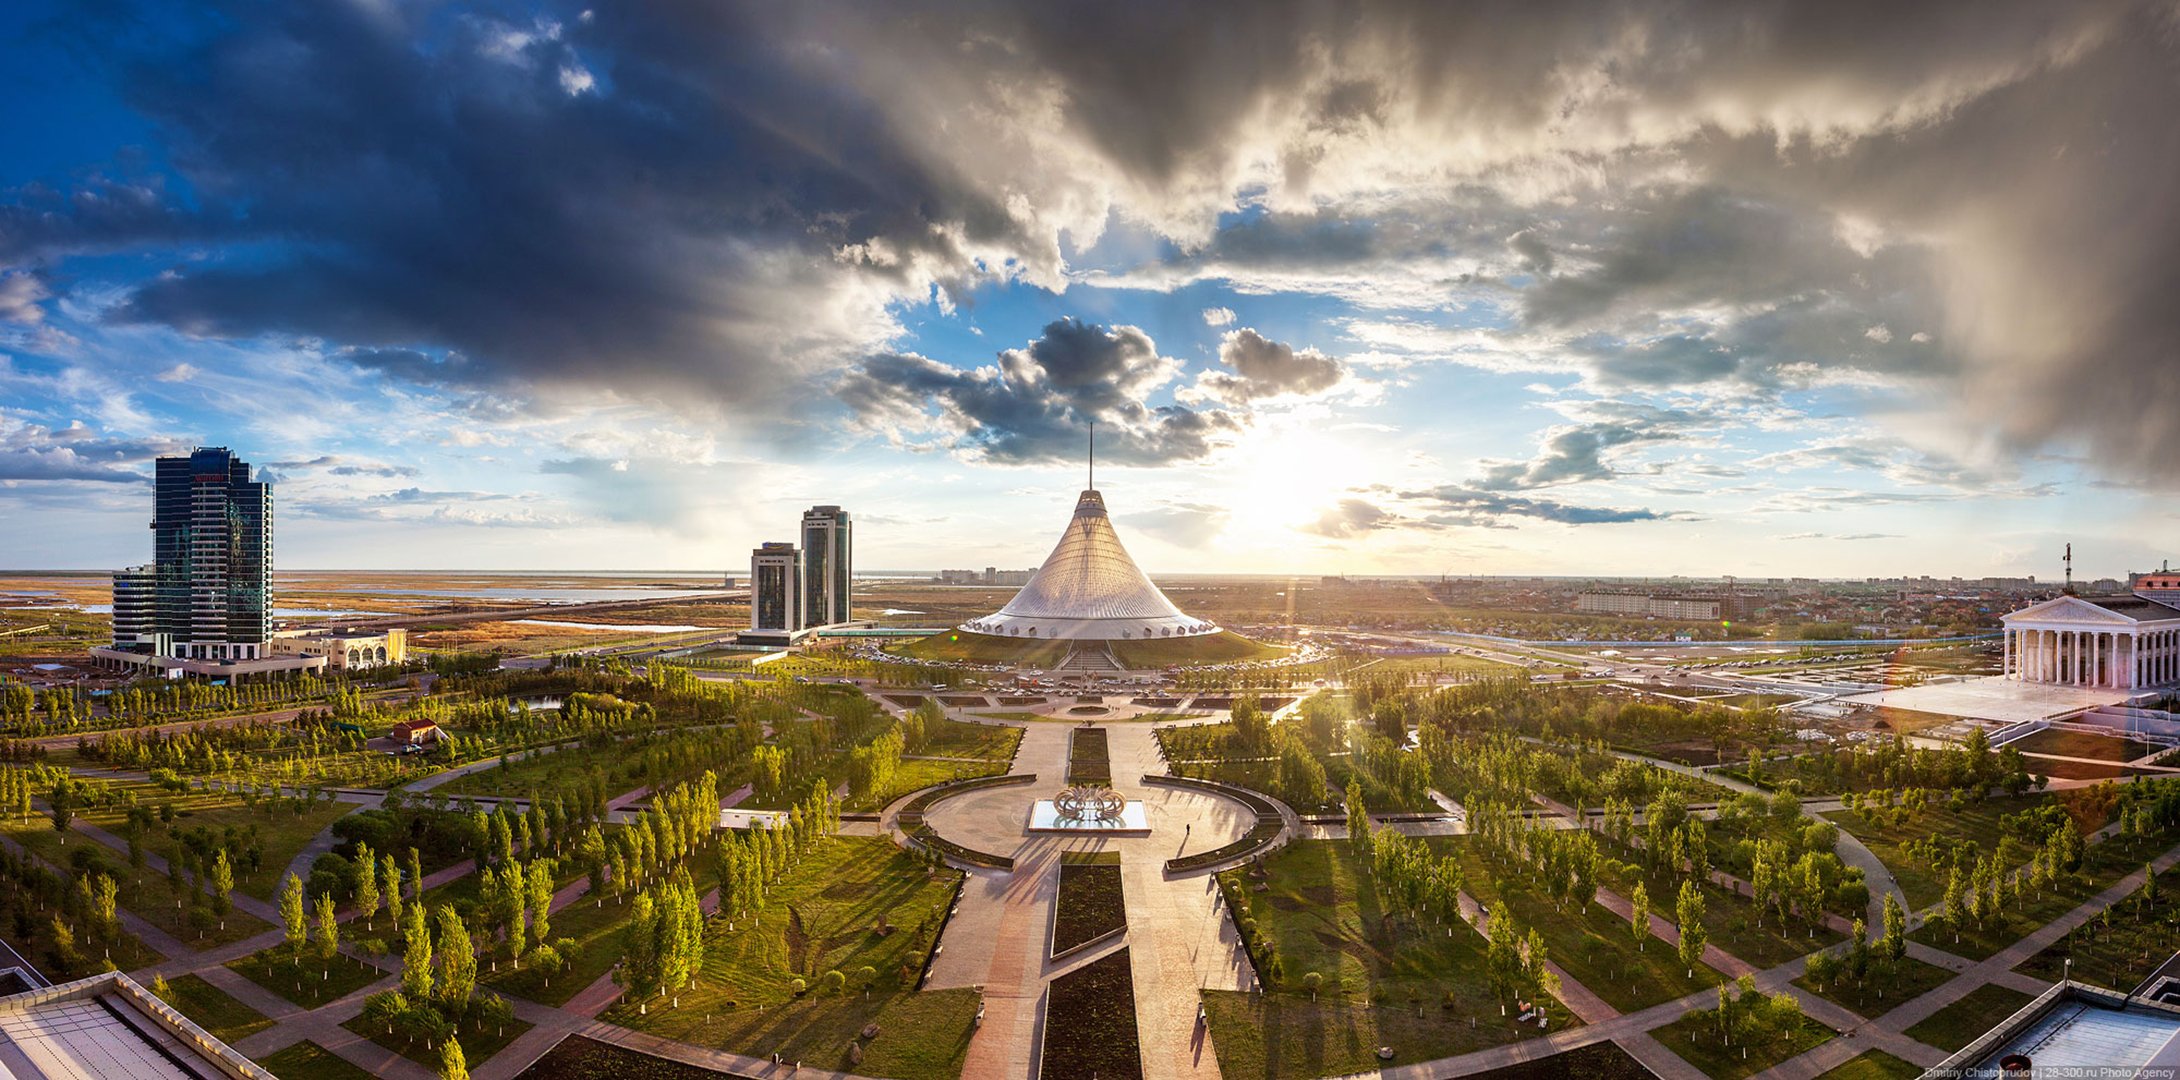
[211, 572]
[828, 568]
[776, 600]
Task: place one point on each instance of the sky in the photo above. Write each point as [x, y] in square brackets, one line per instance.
[1764, 288]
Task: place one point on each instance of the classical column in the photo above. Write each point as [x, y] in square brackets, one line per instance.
[2005, 666]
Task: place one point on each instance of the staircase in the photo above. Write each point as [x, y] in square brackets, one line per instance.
[1092, 658]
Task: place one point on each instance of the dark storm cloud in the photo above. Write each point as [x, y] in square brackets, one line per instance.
[704, 202]
[1037, 403]
[1263, 368]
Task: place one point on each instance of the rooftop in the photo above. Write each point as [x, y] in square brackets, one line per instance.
[2078, 1030]
[106, 1027]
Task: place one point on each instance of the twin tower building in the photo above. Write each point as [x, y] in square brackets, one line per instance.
[793, 588]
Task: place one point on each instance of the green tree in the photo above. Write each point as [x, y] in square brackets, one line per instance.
[457, 959]
[1894, 944]
[1692, 934]
[1638, 918]
[329, 929]
[540, 883]
[293, 918]
[451, 1064]
[639, 970]
[366, 883]
[223, 882]
[1358, 816]
[389, 872]
[416, 965]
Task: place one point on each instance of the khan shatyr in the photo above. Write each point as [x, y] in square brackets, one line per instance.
[1089, 589]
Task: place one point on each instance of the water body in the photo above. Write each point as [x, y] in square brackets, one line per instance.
[538, 595]
[632, 628]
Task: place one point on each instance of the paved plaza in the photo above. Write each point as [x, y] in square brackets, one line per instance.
[1179, 939]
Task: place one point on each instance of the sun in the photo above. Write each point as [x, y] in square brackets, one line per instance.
[1286, 477]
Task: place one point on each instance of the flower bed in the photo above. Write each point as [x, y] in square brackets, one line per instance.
[1090, 908]
[1088, 759]
[1090, 1023]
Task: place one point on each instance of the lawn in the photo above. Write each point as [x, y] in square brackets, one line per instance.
[2104, 864]
[1090, 1022]
[1418, 990]
[1966, 1020]
[310, 983]
[1089, 905]
[478, 1044]
[1456, 664]
[2083, 744]
[1884, 987]
[957, 738]
[283, 828]
[1874, 1065]
[1730, 920]
[215, 1010]
[2120, 952]
[148, 895]
[1696, 1039]
[1924, 884]
[1597, 1061]
[307, 1060]
[578, 1058]
[915, 774]
[852, 902]
[1595, 948]
[592, 925]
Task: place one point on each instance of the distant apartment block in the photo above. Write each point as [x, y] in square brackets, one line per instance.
[990, 575]
[1637, 604]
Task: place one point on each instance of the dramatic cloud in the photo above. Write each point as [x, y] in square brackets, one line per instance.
[34, 452]
[1263, 368]
[1454, 504]
[1037, 403]
[717, 207]
[335, 465]
[1352, 517]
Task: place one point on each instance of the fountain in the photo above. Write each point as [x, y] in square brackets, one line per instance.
[1089, 808]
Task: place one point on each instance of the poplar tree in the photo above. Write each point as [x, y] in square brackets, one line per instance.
[389, 872]
[1692, 934]
[329, 929]
[223, 882]
[416, 976]
[541, 900]
[293, 919]
[457, 960]
[366, 883]
[1638, 919]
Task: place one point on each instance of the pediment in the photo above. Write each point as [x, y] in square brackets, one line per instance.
[2069, 609]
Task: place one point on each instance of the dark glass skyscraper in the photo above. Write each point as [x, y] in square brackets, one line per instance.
[828, 564]
[211, 571]
[776, 601]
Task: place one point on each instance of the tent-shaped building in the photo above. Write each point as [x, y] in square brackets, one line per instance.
[1090, 590]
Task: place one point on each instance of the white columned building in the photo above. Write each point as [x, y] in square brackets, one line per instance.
[2098, 642]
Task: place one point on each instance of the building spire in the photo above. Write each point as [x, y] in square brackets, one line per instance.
[1093, 455]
